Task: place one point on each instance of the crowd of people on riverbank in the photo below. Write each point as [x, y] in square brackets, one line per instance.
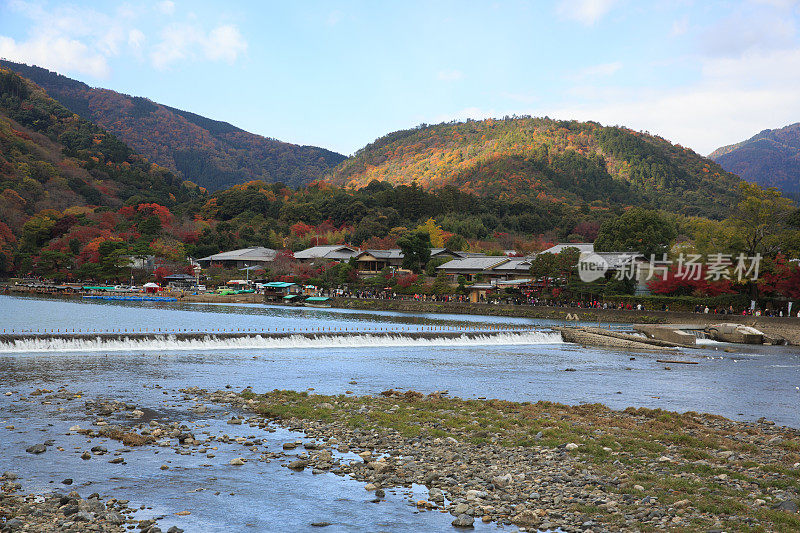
[562, 303]
[524, 300]
[391, 295]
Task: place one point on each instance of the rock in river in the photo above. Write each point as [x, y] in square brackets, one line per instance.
[298, 465]
[464, 520]
[36, 449]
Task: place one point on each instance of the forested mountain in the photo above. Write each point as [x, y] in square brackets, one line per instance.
[61, 177]
[76, 202]
[52, 159]
[546, 160]
[211, 153]
[770, 158]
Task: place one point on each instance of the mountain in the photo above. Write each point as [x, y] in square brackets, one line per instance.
[770, 158]
[549, 160]
[208, 152]
[51, 158]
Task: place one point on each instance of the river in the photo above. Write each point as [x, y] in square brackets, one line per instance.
[748, 383]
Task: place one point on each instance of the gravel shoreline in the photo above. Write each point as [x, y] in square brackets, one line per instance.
[66, 512]
[546, 466]
[532, 466]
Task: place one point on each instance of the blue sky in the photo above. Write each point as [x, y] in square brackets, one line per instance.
[339, 74]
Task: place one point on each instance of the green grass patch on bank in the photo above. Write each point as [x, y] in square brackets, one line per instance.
[671, 455]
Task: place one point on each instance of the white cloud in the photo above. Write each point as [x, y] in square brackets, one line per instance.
[587, 12]
[526, 98]
[703, 119]
[734, 99]
[190, 42]
[225, 43]
[68, 38]
[167, 7]
[777, 68]
[110, 42]
[680, 27]
[745, 30]
[58, 53]
[599, 71]
[136, 39]
[176, 40]
[449, 75]
[783, 4]
[334, 18]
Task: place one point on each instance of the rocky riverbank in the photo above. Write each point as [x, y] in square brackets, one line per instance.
[546, 465]
[64, 509]
[531, 465]
[59, 512]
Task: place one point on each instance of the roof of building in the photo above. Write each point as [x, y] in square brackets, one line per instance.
[256, 253]
[513, 282]
[515, 263]
[581, 246]
[393, 253]
[482, 286]
[615, 260]
[334, 251]
[473, 263]
[278, 284]
[177, 277]
[470, 254]
[397, 253]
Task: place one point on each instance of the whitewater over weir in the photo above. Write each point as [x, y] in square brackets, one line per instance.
[195, 341]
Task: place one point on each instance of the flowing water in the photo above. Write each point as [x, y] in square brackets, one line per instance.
[526, 363]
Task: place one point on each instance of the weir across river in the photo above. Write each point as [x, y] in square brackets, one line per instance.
[73, 333]
[149, 340]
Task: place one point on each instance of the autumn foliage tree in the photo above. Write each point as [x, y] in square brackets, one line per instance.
[7, 244]
[690, 283]
[780, 277]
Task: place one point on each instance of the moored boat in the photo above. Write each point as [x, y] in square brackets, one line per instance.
[317, 301]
